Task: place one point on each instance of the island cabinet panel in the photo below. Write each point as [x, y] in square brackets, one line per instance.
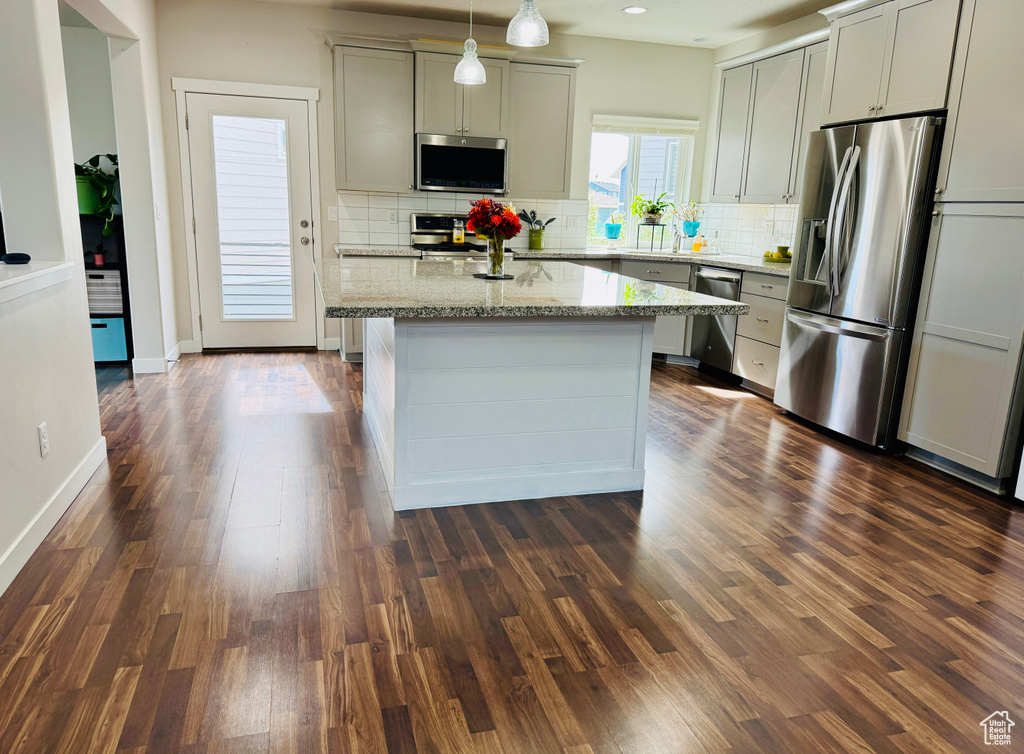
[379, 390]
[512, 409]
[962, 401]
[772, 129]
[733, 116]
[373, 124]
[444, 107]
[543, 103]
[983, 158]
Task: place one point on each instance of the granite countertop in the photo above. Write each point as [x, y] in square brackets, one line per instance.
[434, 288]
[728, 261]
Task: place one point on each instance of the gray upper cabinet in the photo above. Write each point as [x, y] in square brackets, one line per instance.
[815, 61]
[733, 117]
[444, 107]
[983, 158]
[541, 121]
[890, 59]
[373, 125]
[772, 129]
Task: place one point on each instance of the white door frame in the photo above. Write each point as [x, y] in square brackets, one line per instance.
[310, 96]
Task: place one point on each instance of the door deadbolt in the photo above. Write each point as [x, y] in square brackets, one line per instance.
[304, 224]
[304, 241]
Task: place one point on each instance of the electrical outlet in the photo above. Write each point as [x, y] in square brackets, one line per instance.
[392, 215]
[574, 223]
[44, 440]
[332, 214]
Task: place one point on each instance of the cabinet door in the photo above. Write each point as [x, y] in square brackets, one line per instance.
[964, 360]
[439, 100]
[485, 112]
[984, 160]
[670, 332]
[373, 126]
[810, 110]
[856, 58]
[917, 72]
[771, 130]
[733, 114]
[543, 103]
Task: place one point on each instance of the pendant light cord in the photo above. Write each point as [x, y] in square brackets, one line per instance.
[470, 19]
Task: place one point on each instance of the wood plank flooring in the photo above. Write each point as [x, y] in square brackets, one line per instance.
[234, 580]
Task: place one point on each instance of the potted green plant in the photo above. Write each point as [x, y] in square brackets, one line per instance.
[535, 229]
[691, 215]
[97, 190]
[613, 226]
[651, 210]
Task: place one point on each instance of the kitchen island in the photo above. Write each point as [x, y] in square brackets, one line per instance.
[480, 391]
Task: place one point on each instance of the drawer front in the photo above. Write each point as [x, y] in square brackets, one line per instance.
[659, 272]
[771, 286]
[756, 361]
[108, 340]
[764, 323]
[104, 291]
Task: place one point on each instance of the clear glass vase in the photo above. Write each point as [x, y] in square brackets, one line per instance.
[495, 257]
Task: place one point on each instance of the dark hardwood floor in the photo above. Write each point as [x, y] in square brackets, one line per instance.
[234, 580]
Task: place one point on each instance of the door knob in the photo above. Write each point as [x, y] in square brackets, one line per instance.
[304, 223]
[304, 241]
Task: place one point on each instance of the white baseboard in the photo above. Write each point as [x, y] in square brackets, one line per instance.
[332, 344]
[149, 366]
[182, 346]
[12, 561]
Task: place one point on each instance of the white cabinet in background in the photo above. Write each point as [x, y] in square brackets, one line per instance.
[444, 107]
[890, 59]
[772, 129]
[960, 401]
[671, 334]
[543, 106]
[815, 62]
[373, 126]
[983, 152]
[733, 115]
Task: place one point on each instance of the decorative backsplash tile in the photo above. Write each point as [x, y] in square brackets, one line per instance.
[750, 229]
[384, 219]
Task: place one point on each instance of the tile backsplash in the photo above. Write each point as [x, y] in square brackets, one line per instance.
[376, 219]
[749, 229]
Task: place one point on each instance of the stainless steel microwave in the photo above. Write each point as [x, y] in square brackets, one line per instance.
[461, 163]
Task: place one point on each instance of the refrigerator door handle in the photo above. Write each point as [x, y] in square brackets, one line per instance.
[830, 223]
[841, 232]
[836, 326]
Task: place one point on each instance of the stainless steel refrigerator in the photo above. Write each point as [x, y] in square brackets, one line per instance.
[863, 223]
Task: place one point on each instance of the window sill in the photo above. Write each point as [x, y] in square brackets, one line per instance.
[21, 279]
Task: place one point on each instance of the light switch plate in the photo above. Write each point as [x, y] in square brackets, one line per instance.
[332, 214]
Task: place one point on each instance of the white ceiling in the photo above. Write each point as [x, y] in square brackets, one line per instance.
[667, 21]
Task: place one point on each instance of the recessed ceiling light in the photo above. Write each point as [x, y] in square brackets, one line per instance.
[634, 9]
[702, 40]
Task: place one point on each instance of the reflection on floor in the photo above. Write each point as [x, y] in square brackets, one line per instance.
[108, 378]
[235, 579]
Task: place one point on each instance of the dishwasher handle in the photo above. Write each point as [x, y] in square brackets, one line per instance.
[721, 276]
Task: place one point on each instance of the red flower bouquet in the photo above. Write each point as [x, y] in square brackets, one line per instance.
[497, 223]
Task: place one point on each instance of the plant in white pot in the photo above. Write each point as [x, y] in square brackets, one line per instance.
[651, 210]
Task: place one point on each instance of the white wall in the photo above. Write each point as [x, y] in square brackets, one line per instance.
[267, 43]
[46, 369]
[90, 99]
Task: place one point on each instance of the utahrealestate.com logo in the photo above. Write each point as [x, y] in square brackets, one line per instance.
[997, 728]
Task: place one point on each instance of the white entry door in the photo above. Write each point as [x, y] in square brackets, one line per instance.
[251, 198]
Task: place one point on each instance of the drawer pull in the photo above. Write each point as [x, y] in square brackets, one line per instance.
[653, 272]
[758, 363]
[95, 277]
[99, 325]
[760, 319]
[767, 287]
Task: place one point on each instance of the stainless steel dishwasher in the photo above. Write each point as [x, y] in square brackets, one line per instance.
[714, 337]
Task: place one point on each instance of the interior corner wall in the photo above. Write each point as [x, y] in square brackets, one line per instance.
[271, 43]
[46, 367]
[90, 99]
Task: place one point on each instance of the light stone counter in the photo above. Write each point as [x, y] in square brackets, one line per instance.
[432, 288]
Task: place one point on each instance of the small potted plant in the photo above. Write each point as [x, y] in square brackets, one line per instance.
[613, 226]
[691, 215]
[651, 210]
[97, 190]
[535, 229]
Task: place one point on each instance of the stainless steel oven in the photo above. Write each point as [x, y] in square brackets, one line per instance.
[461, 163]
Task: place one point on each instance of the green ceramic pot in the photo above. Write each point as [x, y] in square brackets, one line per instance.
[536, 236]
[88, 196]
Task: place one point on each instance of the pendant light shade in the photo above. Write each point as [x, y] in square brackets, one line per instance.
[470, 70]
[528, 28]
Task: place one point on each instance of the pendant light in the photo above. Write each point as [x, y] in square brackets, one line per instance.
[470, 70]
[528, 28]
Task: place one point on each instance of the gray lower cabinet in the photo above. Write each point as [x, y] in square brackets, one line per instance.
[373, 122]
[759, 334]
[756, 362]
[962, 400]
[671, 334]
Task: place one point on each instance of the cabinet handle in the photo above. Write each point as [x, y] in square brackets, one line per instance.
[759, 319]
[938, 190]
[465, 130]
[758, 363]
[459, 129]
[653, 272]
[937, 213]
[767, 287]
